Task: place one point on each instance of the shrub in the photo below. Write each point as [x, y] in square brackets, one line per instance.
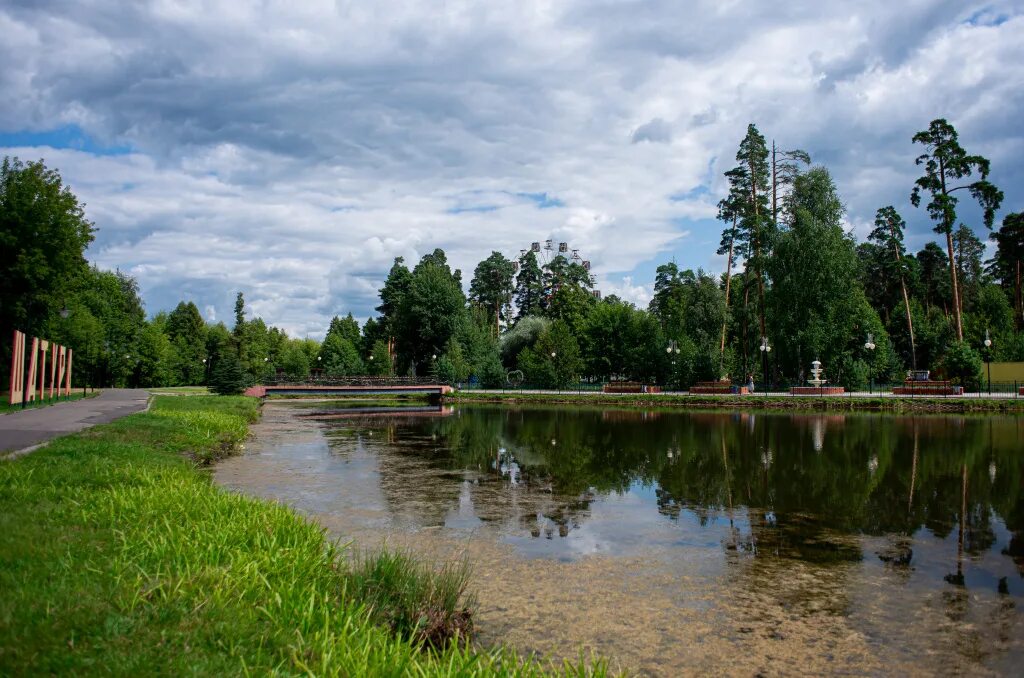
[228, 377]
[962, 365]
[420, 604]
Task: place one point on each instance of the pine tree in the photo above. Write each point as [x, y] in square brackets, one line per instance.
[946, 162]
[888, 233]
[529, 291]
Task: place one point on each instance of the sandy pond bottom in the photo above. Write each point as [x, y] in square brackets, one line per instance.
[654, 595]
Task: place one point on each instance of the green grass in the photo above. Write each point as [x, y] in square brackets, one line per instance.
[118, 556]
[6, 407]
[732, 402]
[180, 390]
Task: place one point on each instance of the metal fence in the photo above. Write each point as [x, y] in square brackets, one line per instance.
[1000, 389]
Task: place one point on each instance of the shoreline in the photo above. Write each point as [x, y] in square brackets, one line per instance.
[847, 403]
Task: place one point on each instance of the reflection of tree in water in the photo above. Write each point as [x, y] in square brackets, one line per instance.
[800, 486]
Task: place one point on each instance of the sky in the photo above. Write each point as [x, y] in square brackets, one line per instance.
[291, 150]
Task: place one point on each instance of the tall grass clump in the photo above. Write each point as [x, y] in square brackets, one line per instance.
[118, 557]
[425, 605]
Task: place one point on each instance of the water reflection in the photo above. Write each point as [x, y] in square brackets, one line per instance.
[938, 495]
[678, 543]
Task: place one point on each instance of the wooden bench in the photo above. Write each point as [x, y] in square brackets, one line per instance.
[927, 388]
[724, 387]
[629, 387]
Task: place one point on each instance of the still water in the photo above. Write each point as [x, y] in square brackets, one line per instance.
[685, 542]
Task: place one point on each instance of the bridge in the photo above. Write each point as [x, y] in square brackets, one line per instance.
[355, 386]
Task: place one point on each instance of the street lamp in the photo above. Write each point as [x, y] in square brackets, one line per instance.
[870, 346]
[765, 350]
[988, 360]
[673, 350]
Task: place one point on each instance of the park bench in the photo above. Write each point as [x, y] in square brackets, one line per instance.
[629, 387]
[925, 388]
[723, 386]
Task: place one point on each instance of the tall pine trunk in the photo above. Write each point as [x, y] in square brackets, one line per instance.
[952, 262]
[956, 287]
[906, 298]
[728, 280]
[757, 248]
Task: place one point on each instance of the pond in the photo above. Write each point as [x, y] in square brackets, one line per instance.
[674, 542]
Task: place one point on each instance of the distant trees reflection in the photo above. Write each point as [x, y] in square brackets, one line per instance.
[801, 486]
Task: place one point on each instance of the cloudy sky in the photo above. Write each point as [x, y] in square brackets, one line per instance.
[292, 149]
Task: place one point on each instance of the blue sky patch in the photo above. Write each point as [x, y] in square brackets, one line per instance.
[543, 200]
[68, 136]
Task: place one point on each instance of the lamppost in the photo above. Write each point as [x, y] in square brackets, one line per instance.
[870, 346]
[765, 350]
[673, 351]
[988, 360]
[558, 386]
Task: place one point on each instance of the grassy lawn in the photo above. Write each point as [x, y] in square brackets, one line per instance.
[180, 390]
[119, 556]
[6, 407]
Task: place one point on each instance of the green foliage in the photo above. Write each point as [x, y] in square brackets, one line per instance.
[380, 365]
[227, 377]
[529, 291]
[523, 334]
[554, 359]
[117, 553]
[452, 366]
[620, 340]
[293, 360]
[419, 604]
[962, 364]
[492, 287]
[431, 309]
[339, 357]
[43, 237]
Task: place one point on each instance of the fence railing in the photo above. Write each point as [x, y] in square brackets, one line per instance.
[285, 380]
[1001, 389]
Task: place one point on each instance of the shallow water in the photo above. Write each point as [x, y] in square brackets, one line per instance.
[684, 543]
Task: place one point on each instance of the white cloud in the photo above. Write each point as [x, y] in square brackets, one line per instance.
[292, 150]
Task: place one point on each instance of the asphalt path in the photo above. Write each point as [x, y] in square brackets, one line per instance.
[25, 430]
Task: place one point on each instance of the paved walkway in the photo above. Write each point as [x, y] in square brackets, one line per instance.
[23, 431]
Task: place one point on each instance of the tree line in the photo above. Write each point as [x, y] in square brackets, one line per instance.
[794, 282]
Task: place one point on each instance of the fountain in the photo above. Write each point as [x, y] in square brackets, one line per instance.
[817, 384]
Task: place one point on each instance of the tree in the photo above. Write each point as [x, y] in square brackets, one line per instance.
[529, 292]
[935, 278]
[523, 334]
[619, 340]
[749, 192]
[431, 309]
[888, 234]
[668, 305]
[785, 170]
[963, 364]
[379, 361]
[293, 361]
[819, 309]
[339, 356]
[554, 360]
[347, 328]
[228, 378]
[43, 237]
[492, 288]
[729, 211]
[186, 331]
[392, 296]
[968, 251]
[452, 366]
[945, 162]
[1008, 261]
